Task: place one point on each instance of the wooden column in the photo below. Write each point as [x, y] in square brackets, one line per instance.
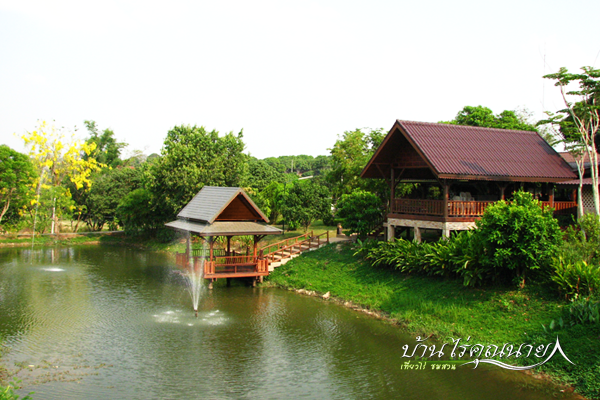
[551, 196]
[255, 244]
[446, 195]
[502, 195]
[228, 245]
[212, 243]
[392, 188]
[574, 195]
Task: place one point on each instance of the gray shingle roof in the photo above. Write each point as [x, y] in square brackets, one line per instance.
[210, 202]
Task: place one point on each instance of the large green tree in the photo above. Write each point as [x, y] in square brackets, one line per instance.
[16, 177]
[192, 158]
[349, 156]
[484, 117]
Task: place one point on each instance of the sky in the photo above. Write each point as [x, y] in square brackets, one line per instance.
[293, 75]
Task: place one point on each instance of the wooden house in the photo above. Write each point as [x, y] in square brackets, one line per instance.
[460, 170]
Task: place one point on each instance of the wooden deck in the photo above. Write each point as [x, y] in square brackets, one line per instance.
[238, 265]
[464, 210]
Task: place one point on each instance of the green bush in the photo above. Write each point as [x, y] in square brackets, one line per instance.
[576, 278]
[518, 238]
[455, 257]
[360, 211]
[590, 226]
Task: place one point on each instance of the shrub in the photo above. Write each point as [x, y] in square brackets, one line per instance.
[517, 237]
[360, 212]
[455, 257]
[576, 278]
[590, 225]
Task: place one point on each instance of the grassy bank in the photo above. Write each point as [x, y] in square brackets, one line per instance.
[447, 309]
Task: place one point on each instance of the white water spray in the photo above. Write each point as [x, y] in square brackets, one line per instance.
[194, 276]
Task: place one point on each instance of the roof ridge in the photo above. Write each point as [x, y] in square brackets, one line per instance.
[401, 121]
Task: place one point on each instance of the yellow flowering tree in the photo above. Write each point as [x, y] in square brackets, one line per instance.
[58, 158]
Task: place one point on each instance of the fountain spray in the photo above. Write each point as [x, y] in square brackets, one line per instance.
[194, 274]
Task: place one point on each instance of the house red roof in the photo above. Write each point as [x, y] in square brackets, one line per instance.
[467, 152]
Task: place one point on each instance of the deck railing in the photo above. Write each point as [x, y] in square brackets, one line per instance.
[458, 208]
[249, 265]
[562, 207]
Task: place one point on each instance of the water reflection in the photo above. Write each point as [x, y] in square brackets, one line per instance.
[117, 323]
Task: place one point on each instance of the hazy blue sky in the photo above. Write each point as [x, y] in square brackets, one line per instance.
[293, 74]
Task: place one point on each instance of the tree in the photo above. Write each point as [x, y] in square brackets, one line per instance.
[59, 159]
[261, 174]
[360, 211]
[192, 158]
[349, 156]
[135, 213]
[580, 120]
[16, 179]
[484, 117]
[304, 203]
[107, 191]
[108, 150]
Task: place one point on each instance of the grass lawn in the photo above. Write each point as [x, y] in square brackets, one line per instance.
[447, 309]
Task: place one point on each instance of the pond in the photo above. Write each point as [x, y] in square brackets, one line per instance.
[110, 322]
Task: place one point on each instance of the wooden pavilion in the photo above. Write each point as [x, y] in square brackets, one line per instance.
[461, 170]
[228, 212]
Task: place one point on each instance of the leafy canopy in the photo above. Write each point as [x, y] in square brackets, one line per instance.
[484, 117]
[304, 203]
[108, 150]
[16, 179]
[192, 158]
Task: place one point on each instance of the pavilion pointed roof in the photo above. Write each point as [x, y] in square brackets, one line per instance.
[222, 211]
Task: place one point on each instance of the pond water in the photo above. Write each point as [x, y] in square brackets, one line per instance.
[109, 322]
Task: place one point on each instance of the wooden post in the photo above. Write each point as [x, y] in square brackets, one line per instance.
[255, 244]
[446, 195]
[228, 245]
[551, 196]
[502, 195]
[212, 243]
[574, 195]
[392, 187]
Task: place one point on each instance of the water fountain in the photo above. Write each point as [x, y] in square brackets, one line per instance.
[194, 274]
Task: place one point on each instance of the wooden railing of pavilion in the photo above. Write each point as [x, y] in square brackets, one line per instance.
[236, 265]
[457, 208]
